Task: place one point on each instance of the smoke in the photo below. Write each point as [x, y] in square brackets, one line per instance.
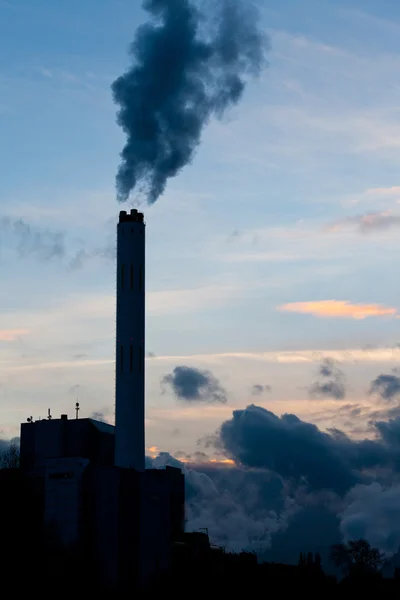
[98, 415]
[188, 65]
[331, 384]
[28, 241]
[40, 243]
[193, 385]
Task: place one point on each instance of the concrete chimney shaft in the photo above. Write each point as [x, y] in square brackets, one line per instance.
[130, 342]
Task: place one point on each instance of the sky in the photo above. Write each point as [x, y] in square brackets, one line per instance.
[273, 254]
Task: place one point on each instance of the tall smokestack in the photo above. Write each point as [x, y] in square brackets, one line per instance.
[130, 343]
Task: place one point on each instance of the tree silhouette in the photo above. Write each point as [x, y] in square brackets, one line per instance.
[357, 558]
[9, 458]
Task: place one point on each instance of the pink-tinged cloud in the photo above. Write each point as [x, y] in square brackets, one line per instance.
[388, 191]
[339, 309]
[10, 335]
[367, 223]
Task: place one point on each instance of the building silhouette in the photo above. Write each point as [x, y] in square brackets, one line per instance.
[83, 481]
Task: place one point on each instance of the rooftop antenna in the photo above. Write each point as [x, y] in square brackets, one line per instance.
[77, 410]
[49, 414]
[30, 419]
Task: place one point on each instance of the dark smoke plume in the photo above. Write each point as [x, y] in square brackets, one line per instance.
[186, 68]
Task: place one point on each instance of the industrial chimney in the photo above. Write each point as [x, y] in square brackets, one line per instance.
[130, 342]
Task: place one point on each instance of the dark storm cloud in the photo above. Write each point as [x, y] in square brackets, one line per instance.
[259, 390]
[372, 512]
[193, 385]
[257, 438]
[295, 449]
[387, 386]
[187, 67]
[242, 509]
[293, 482]
[331, 383]
[389, 432]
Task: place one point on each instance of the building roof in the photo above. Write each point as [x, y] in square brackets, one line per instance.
[104, 427]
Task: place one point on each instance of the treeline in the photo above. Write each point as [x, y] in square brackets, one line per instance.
[359, 570]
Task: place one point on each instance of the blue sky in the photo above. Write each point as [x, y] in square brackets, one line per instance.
[292, 201]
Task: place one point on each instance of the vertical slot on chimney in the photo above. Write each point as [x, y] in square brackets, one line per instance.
[140, 359]
[131, 277]
[122, 276]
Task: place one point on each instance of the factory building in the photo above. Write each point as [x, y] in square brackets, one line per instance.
[90, 483]
[125, 520]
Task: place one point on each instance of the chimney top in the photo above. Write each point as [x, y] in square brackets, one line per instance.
[134, 216]
[64, 417]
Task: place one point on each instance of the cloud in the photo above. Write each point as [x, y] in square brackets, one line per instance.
[259, 390]
[290, 479]
[372, 512]
[350, 355]
[242, 509]
[394, 190]
[332, 384]
[387, 386]
[389, 431]
[292, 448]
[341, 309]
[193, 385]
[328, 389]
[367, 223]
[300, 451]
[10, 335]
